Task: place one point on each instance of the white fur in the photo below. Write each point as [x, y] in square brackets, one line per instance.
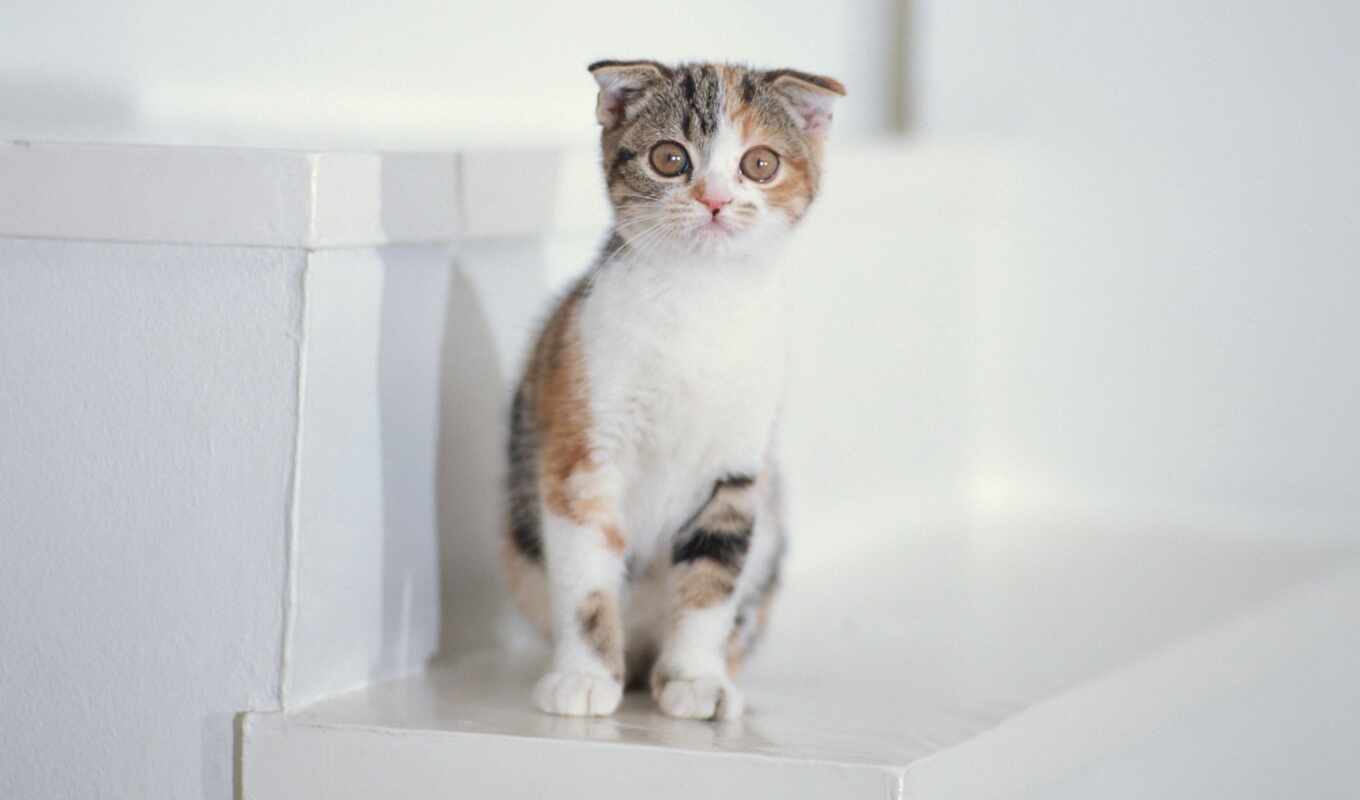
[579, 684]
[685, 364]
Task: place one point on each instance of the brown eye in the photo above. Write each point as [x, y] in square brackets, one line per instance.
[669, 159]
[760, 164]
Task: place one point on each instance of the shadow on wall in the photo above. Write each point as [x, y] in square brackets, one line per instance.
[414, 281]
[443, 400]
[451, 327]
[498, 290]
[470, 465]
[443, 396]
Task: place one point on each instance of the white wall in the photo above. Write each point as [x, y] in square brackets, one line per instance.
[146, 452]
[1165, 324]
[410, 73]
[222, 489]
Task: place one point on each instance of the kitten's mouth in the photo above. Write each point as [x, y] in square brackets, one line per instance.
[717, 226]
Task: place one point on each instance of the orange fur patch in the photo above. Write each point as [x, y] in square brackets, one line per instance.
[793, 192]
[613, 539]
[745, 121]
[731, 82]
[598, 616]
[703, 584]
[697, 191]
[561, 402]
[795, 186]
[731, 510]
[563, 410]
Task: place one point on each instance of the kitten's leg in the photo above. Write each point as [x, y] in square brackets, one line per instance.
[753, 614]
[690, 678]
[584, 554]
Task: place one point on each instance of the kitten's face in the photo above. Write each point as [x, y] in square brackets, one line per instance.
[710, 160]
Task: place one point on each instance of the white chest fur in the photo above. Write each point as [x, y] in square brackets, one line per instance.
[685, 364]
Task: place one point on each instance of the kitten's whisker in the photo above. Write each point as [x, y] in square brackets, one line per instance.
[644, 245]
[631, 244]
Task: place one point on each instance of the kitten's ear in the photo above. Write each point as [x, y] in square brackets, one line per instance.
[622, 82]
[808, 97]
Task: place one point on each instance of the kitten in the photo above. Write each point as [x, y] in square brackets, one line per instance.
[645, 527]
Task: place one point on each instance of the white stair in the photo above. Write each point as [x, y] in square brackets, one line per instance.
[998, 669]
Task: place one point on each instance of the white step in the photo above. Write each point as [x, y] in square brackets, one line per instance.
[1030, 663]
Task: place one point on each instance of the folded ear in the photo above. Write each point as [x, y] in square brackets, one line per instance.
[621, 83]
[808, 97]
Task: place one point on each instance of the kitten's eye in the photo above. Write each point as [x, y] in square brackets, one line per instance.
[669, 159]
[760, 164]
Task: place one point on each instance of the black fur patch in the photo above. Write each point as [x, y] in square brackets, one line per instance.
[699, 97]
[734, 482]
[727, 549]
[707, 105]
[748, 89]
[527, 541]
[621, 160]
[524, 521]
[591, 621]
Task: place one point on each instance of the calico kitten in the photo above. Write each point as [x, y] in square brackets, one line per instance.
[645, 528]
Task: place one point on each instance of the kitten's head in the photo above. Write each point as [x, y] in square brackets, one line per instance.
[710, 159]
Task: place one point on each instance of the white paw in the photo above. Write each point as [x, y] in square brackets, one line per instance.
[700, 698]
[578, 694]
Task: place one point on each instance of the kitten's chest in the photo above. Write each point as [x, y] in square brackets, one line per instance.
[691, 365]
[686, 376]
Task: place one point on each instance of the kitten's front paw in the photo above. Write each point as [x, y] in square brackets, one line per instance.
[578, 694]
[699, 698]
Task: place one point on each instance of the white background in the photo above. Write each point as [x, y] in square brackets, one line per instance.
[1167, 325]
[410, 73]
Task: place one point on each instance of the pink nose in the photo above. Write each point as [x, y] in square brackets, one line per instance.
[714, 203]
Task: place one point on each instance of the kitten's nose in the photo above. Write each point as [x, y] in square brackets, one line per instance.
[714, 202]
